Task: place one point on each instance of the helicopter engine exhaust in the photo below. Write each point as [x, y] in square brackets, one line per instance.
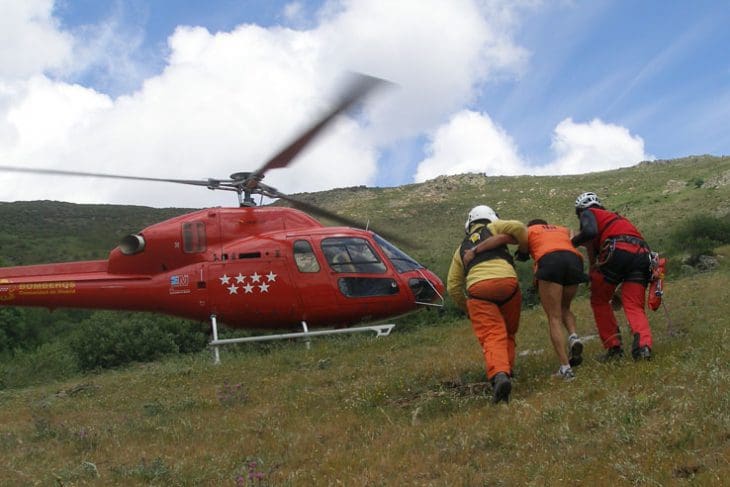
[132, 244]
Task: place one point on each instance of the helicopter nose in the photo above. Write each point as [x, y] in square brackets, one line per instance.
[435, 282]
[427, 287]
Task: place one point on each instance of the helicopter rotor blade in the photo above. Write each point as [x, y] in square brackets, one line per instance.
[360, 86]
[243, 182]
[211, 183]
[343, 220]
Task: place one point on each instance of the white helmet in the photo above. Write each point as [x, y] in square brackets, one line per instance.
[481, 212]
[587, 200]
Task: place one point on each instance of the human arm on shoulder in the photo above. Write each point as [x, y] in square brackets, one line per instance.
[492, 242]
[516, 229]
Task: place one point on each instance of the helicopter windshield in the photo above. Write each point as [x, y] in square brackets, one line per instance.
[400, 260]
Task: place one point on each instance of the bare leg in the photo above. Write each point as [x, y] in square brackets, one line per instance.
[568, 316]
[551, 298]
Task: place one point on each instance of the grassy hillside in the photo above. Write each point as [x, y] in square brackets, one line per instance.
[410, 409]
[655, 195]
[413, 408]
[44, 231]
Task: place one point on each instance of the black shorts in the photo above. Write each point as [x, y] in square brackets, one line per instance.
[562, 267]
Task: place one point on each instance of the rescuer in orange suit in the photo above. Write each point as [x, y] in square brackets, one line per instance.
[558, 272]
[493, 298]
[617, 254]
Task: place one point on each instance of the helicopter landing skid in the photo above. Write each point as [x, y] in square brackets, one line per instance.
[380, 330]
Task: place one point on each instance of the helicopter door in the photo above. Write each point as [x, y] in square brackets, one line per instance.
[311, 277]
[254, 288]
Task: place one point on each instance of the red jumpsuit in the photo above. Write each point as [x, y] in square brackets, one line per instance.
[620, 256]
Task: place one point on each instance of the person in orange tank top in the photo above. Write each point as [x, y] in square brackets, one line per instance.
[558, 272]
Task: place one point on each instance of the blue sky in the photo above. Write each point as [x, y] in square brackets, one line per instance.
[204, 89]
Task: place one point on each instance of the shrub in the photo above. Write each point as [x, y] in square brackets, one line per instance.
[109, 339]
[696, 181]
[700, 235]
[14, 333]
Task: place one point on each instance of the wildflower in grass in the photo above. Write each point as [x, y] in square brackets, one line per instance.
[230, 395]
[253, 477]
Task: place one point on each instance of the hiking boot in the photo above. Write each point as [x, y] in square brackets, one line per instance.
[501, 387]
[643, 353]
[576, 351]
[612, 354]
[565, 374]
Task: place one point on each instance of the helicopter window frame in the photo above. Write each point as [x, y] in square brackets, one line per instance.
[305, 257]
[352, 255]
[194, 237]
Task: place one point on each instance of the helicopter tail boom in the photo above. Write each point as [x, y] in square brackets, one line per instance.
[65, 285]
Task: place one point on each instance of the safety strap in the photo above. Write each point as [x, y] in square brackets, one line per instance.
[609, 246]
[632, 240]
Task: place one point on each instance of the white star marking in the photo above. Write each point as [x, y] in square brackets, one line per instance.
[240, 278]
[271, 276]
[225, 279]
[248, 288]
[255, 277]
[232, 289]
[264, 288]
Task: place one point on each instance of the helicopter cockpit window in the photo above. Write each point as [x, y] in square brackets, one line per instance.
[400, 260]
[349, 254]
[304, 257]
[194, 240]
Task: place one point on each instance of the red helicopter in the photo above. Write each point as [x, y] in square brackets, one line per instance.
[254, 267]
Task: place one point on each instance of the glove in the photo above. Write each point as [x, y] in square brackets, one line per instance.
[522, 256]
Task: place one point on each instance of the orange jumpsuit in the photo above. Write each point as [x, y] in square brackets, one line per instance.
[494, 298]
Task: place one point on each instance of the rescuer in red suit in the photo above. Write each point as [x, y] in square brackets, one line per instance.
[617, 254]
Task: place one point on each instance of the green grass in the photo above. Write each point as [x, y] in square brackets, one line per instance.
[410, 409]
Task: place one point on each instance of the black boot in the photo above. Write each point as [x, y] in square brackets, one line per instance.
[612, 354]
[638, 352]
[501, 387]
[644, 353]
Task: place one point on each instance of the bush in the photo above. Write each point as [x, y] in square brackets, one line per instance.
[14, 332]
[109, 339]
[700, 235]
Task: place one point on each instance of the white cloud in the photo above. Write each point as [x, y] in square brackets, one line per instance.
[225, 102]
[470, 142]
[437, 53]
[593, 146]
[30, 40]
